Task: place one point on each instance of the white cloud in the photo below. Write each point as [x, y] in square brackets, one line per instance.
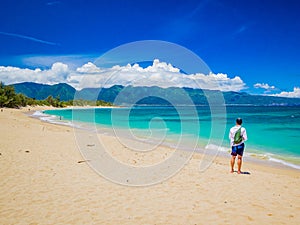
[160, 66]
[219, 81]
[9, 74]
[89, 75]
[88, 68]
[293, 94]
[60, 69]
[59, 72]
[264, 86]
[158, 74]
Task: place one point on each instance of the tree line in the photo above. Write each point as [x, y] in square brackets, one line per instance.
[10, 99]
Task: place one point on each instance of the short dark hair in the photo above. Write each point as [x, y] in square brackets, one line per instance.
[239, 121]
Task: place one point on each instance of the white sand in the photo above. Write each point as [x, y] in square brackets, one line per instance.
[41, 182]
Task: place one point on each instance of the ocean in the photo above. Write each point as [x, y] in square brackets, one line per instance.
[273, 131]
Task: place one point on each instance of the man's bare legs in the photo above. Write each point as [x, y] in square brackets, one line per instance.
[232, 163]
[239, 164]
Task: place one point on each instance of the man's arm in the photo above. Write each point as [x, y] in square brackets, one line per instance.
[245, 137]
[231, 137]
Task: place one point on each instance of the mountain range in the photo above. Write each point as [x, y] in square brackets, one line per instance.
[148, 95]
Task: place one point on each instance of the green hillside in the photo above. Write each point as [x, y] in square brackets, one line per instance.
[148, 95]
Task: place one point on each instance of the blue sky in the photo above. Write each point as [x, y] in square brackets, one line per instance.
[255, 40]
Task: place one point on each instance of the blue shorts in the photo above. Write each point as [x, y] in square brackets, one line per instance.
[238, 150]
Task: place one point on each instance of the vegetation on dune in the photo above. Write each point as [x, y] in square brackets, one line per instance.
[10, 99]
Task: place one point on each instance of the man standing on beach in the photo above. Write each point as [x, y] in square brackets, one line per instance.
[237, 136]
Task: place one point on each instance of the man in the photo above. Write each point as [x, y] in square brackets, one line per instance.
[237, 136]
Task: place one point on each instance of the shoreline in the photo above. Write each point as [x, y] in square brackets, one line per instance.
[252, 157]
[45, 179]
[281, 161]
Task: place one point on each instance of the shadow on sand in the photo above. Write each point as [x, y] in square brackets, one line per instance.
[247, 173]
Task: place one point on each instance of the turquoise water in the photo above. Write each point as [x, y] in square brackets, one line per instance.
[273, 131]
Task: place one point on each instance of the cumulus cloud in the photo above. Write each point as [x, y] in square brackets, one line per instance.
[88, 68]
[158, 74]
[264, 86]
[89, 75]
[293, 94]
[59, 72]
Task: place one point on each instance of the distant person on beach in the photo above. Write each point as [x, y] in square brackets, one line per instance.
[237, 136]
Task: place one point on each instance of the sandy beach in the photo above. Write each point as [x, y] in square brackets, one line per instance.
[45, 180]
